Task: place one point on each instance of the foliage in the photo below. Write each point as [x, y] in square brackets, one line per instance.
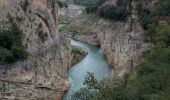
[150, 21]
[113, 12]
[63, 3]
[82, 26]
[163, 8]
[6, 56]
[163, 33]
[63, 19]
[101, 90]
[91, 82]
[84, 94]
[119, 12]
[152, 75]
[11, 49]
[78, 26]
[91, 5]
[76, 50]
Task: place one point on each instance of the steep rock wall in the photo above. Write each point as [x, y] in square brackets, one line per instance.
[123, 42]
[123, 49]
[43, 75]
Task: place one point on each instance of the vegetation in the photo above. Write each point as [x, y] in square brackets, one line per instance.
[151, 79]
[151, 21]
[63, 23]
[63, 3]
[119, 12]
[11, 49]
[76, 50]
[91, 5]
[82, 26]
[78, 26]
[77, 54]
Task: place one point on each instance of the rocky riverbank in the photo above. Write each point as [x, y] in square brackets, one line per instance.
[77, 55]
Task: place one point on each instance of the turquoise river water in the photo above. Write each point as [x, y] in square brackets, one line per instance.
[94, 62]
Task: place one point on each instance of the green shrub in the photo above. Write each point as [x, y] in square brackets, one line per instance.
[6, 56]
[11, 49]
[63, 3]
[119, 12]
[84, 94]
[163, 33]
[113, 12]
[91, 5]
[150, 20]
[18, 53]
[6, 40]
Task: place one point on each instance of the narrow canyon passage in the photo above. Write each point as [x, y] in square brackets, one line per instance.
[94, 62]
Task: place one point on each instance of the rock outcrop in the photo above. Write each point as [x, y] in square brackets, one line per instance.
[77, 55]
[43, 75]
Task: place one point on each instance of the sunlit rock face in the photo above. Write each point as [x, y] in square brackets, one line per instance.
[43, 75]
[123, 49]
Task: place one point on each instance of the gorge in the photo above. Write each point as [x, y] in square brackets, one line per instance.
[120, 48]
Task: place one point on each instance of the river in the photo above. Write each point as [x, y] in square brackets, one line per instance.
[94, 62]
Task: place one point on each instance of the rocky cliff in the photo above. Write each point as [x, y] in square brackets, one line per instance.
[121, 42]
[123, 49]
[43, 75]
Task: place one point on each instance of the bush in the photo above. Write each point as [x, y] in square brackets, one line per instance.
[113, 12]
[11, 49]
[84, 94]
[150, 20]
[6, 56]
[18, 53]
[119, 12]
[91, 5]
[6, 40]
[163, 33]
[152, 75]
[63, 3]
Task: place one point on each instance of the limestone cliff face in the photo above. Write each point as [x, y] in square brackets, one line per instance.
[123, 48]
[43, 75]
[123, 42]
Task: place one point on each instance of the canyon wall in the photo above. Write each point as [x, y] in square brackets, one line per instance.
[122, 42]
[43, 75]
[123, 48]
